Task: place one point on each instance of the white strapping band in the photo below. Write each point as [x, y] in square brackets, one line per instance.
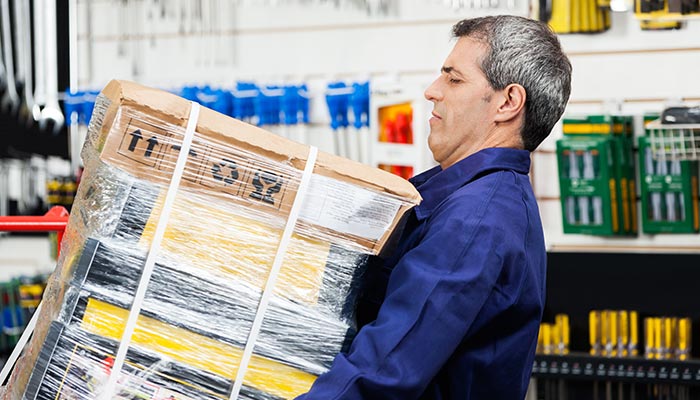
[152, 253]
[7, 368]
[274, 272]
[28, 330]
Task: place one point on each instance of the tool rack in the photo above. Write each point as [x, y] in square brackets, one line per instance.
[54, 220]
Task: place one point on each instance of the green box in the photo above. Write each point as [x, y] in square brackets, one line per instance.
[669, 193]
[589, 193]
[619, 131]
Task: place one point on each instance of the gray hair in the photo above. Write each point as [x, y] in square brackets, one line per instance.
[528, 53]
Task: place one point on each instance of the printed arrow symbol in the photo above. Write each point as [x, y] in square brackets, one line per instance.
[136, 136]
[177, 147]
[152, 142]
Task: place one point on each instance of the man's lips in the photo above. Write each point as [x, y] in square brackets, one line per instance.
[436, 115]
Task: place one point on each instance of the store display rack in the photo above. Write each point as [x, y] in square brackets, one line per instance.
[634, 369]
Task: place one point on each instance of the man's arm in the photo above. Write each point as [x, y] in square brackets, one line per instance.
[434, 294]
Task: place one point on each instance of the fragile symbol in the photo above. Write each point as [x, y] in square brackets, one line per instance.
[268, 182]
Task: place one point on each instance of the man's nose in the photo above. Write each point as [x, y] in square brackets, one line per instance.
[433, 93]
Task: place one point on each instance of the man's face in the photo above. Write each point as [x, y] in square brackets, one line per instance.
[463, 104]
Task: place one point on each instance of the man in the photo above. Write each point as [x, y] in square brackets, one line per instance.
[460, 314]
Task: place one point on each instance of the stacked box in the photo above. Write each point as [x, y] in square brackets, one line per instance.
[669, 190]
[597, 173]
[212, 265]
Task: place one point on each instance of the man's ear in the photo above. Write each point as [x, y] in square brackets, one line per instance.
[512, 102]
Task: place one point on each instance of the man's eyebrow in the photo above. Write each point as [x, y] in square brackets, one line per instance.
[448, 70]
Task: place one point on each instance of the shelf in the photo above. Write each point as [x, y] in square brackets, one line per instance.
[637, 370]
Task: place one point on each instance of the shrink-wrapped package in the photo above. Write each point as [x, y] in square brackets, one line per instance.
[204, 258]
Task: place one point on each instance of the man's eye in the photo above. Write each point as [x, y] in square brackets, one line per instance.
[455, 81]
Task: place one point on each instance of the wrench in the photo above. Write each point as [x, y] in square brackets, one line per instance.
[52, 111]
[3, 74]
[10, 100]
[23, 26]
[39, 52]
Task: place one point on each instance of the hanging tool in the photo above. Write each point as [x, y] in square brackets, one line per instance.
[583, 201]
[360, 108]
[72, 105]
[290, 111]
[244, 98]
[352, 139]
[51, 112]
[20, 46]
[73, 44]
[3, 189]
[288, 106]
[623, 333]
[634, 334]
[267, 107]
[655, 196]
[27, 111]
[3, 70]
[589, 173]
[87, 76]
[570, 171]
[684, 338]
[337, 97]
[39, 59]
[594, 333]
[676, 171]
[562, 322]
[303, 108]
[669, 197]
[10, 100]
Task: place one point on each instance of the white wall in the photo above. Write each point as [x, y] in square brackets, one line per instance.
[28, 256]
[623, 69]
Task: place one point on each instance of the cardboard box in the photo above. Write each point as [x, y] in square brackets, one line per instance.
[213, 262]
[142, 129]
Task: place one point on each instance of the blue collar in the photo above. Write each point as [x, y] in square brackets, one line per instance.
[436, 184]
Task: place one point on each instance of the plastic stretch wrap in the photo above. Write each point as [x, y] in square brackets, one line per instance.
[223, 233]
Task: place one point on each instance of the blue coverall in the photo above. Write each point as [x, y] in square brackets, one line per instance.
[460, 314]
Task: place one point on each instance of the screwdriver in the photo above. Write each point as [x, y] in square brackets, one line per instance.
[583, 201]
[634, 334]
[675, 170]
[546, 339]
[571, 201]
[649, 338]
[662, 170]
[655, 196]
[605, 333]
[623, 334]
[658, 340]
[667, 344]
[684, 335]
[594, 332]
[589, 173]
[562, 321]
